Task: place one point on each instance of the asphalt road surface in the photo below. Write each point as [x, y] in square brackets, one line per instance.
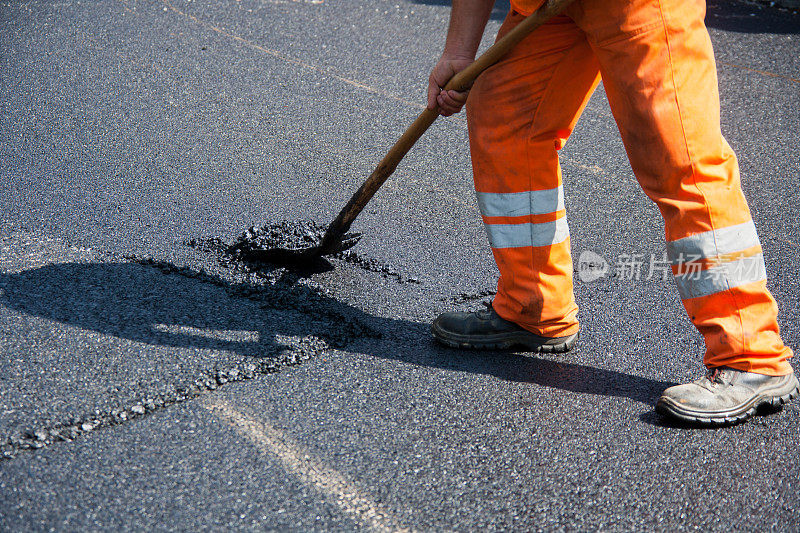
[147, 383]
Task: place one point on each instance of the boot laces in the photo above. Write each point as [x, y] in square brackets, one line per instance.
[715, 376]
[487, 312]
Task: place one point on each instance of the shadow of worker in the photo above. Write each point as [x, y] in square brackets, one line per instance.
[158, 306]
[164, 308]
[743, 17]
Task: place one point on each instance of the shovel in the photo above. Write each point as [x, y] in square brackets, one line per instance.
[336, 239]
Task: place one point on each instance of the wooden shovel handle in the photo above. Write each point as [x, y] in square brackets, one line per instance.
[460, 82]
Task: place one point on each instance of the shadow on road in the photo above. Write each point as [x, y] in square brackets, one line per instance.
[727, 15]
[736, 16]
[141, 303]
[499, 10]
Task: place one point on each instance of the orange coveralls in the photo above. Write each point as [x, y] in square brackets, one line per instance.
[658, 71]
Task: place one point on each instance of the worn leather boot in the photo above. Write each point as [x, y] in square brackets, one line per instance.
[486, 329]
[726, 396]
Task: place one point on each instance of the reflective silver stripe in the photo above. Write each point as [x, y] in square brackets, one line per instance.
[519, 235]
[517, 204]
[721, 277]
[710, 243]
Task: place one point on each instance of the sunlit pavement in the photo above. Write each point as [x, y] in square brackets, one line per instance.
[145, 384]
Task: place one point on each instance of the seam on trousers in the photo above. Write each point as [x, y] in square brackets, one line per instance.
[729, 291]
[545, 94]
[629, 34]
[550, 87]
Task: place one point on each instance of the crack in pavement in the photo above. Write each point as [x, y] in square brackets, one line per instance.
[34, 439]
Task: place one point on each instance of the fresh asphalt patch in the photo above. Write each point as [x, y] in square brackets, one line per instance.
[262, 249]
[141, 334]
[94, 341]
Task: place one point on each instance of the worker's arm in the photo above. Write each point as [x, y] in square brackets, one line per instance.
[468, 19]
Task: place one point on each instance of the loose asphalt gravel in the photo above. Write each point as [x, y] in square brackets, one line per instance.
[150, 381]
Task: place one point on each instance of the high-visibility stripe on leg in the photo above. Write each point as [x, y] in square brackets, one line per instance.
[527, 234]
[514, 204]
[518, 208]
[722, 277]
[715, 261]
[717, 242]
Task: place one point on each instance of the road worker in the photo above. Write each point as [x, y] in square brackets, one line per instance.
[658, 71]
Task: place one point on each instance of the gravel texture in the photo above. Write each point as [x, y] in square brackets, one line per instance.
[129, 128]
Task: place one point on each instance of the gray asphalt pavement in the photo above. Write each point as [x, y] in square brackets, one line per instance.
[146, 383]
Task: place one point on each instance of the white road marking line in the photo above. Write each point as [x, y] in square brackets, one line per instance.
[762, 72]
[310, 471]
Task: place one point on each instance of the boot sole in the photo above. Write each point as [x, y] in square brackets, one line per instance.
[775, 398]
[505, 341]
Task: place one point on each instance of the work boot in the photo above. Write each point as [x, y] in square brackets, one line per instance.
[726, 396]
[486, 329]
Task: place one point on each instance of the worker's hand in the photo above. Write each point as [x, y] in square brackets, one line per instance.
[447, 102]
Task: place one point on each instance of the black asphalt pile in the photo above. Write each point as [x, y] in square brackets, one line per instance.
[296, 235]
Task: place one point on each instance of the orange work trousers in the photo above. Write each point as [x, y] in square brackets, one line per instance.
[658, 70]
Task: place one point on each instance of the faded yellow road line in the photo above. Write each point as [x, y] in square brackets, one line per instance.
[324, 70]
[287, 59]
[300, 463]
[762, 72]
